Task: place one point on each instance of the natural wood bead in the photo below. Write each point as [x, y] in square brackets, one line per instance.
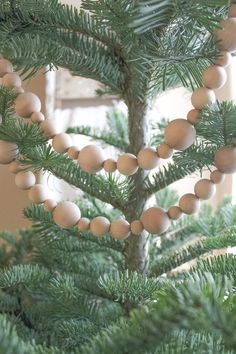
[8, 152]
[174, 212]
[148, 158]
[225, 159]
[164, 151]
[50, 128]
[127, 164]
[136, 227]
[155, 220]
[26, 104]
[50, 205]
[73, 152]
[232, 10]
[120, 229]
[37, 117]
[214, 77]
[100, 226]
[38, 194]
[217, 177]
[91, 158]
[227, 35]
[15, 167]
[11, 80]
[25, 180]
[110, 165]
[180, 134]
[189, 203]
[193, 116]
[66, 214]
[5, 67]
[224, 59]
[61, 142]
[202, 97]
[19, 90]
[204, 189]
[83, 224]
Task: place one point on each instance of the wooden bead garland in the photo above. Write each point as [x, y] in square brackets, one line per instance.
[5, 67]
[189, 204]
[225, 159]
[127, 164]
[202, 97]
[214, 77]
[227, 35]
[83, 224]
[38, 194]
[180, 134]
[155, 220]
[26, 104]
[66, 214]
[61, 142]
[120, 229]
[91, 158]
[100, 226]
[50, 204]
[11, 80]
[148, 159]
[25, 180]
[204, 189]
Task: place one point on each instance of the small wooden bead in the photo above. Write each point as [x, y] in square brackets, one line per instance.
[127, 164]
[91, 158]
[50, 128]
[25, 180]
[26, 104]
[100, 226]
[19, 90]
[148, 158]
[83, 224]
[227, 35]
[73, 152]
[214, 77]
[8, 152]
[120, 229]
[232, 10]
[61, 142]
[110, 165]
[225, 159]
[202, 97]
[50, 205]
[224, 59]
[180, 134]
[193, 116]
[155, 220]
[11, 80]
[164, 151]
[38, 194]
[15, 167]
[189, 203]
[136, 227]
[37, 117]
[217, 177]
[204, 189]
[5, 67]
[174, 212]
[66, 214]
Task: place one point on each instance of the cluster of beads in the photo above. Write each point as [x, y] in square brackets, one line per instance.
[179, 135]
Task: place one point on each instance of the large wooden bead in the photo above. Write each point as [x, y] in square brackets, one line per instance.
[15, 167]
[11, 80]
[8, 152]
[136, 227]
[155, 220]
[202, 97]
[38, 194]
[50, 128]
[164, 151]
[73, 152]
[224, 59]
[174, 212]
[217, 177]
[204, 189]
[127, 164]
[120, 229]
[100, 226]
[189, 203]
[26, 104]
[232, 11]
[193, 116]
[227, 35]
[91, 158]
[66, 214]
[148, 158]
[180, 134]
[225, 159]
[25, 180]
[5, 67]
[214, 77]
[61, 142]
[83, 224]
[37, 117]
[110, 165]
[50, 205]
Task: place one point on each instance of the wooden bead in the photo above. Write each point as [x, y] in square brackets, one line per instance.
[11, 80]
[50, 205]
[127, 164]
[8, 152]
[38, 194]
[19, 90]
[232, 10]
[5, 67]
[164, 151]
[25, 180]
[174, 212]
[217, 177]
[224, 59]
[50, 128]
[136, 227]
[100, 226]
[120, 229]
[180, 134]
[204, 189]
[110, 165]
[26, 104]
[225, 159]
[91, 158]
[193, 116]
[227, 35]
[61, 142]
[37, 117]
[83, 224]
[189, 203]
[66, 214]
[15, 167]
[148, 158]
[202, 97]
[214, 77]
[155, 220]
[73, 152]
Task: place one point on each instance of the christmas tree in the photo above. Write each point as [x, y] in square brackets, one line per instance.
[101, 275]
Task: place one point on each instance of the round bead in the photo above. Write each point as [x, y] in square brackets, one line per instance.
[224, 59]
[164, 151]
[127, 164]
[110, 165]
[148, 158]
[25, 180]
[204, 189]
[189, 203]
[232, 10]
[11, 80]
[66, 214]
[73, 152]
[227, 35]
[214, 77]
[19, 90]
[15, 166]
[37, 117]
[83, 224]
[91, 158]
[5, 67]
[61, 142]
[8, 152]
[120, 229]
[193, 116]
[50, 205]
[202, 97]
[100, 226]
[136, 227]
[50, 128]
[26, 104]
[180, 134]
[155, 220]
[225, 159]
[174, 212]
[217, 177]
[38, 194]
